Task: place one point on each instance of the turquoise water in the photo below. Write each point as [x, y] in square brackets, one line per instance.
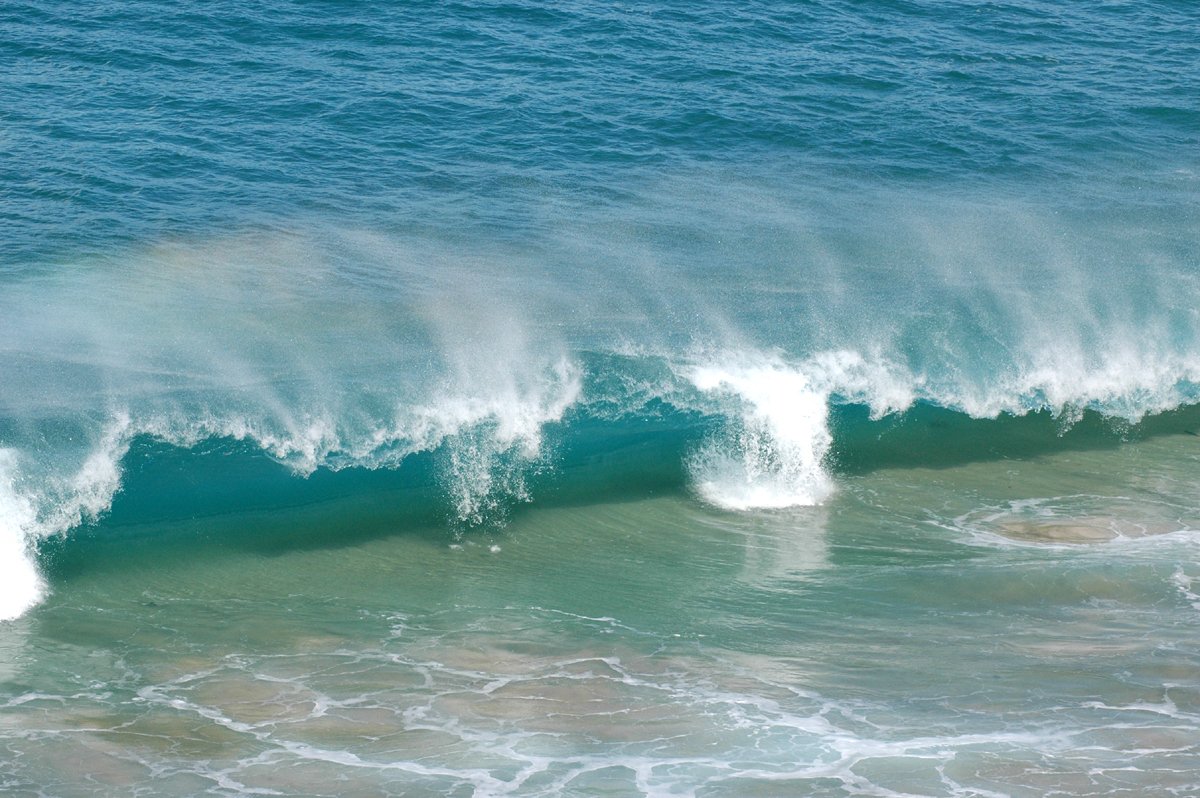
[670, 399]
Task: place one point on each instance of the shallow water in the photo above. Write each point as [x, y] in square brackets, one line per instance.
[901, 638]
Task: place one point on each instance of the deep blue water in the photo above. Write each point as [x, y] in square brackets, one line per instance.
[134, 122]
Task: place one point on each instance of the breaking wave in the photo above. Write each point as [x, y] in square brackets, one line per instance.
[603, 356]
[742, 430]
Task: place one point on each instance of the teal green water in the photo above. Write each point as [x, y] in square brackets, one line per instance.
[487, 399]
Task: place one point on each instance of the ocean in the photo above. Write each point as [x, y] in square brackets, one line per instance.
[600, 399]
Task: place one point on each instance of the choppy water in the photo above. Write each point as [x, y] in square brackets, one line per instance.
[495, 399]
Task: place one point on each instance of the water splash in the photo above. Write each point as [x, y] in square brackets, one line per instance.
[770, 455]
[23, 585]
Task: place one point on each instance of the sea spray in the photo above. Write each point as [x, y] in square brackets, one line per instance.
[493, 440]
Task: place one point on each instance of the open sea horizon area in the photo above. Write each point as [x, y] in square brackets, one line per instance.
[489, 399]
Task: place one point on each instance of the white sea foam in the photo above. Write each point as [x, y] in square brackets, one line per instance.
[22, 584]
[771, 453]
[58, 503]
[494, 439]
[1187, 586]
